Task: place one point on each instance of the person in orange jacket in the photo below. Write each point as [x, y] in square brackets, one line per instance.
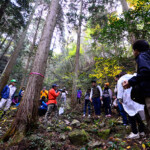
[52, 102]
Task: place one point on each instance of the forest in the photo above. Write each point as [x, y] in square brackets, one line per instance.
[69, 43]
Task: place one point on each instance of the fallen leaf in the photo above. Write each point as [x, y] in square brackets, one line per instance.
[128, 147]
[143, 146]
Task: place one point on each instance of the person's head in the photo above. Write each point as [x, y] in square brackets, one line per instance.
[79, 89]
[54, 86]
[43, 98]
[88, 90]
[93, 83]
[13, 82]
[23, 88]
[140, 46]
[44, 88]
[122, 74]
[116, 78]
[106, 85]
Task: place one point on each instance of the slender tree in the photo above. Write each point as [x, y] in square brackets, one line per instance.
[6, 48]
[27, 115]
[125, 9]
[7, 71]
[31, 49]
[76, 71]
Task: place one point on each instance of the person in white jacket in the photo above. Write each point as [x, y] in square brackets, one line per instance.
[96, 97]
[132, 108]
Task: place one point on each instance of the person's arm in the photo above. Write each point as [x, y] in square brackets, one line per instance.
[4, 90]
[101, 92]
[143, 73]
[91, 94]
[120, 90]
[14, 93]
[110, 93]
[54, 93]
[44, 104]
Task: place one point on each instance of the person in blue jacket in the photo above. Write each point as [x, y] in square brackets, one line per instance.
[43, 106]
[141, 50]
[20, 95]
[6, 96]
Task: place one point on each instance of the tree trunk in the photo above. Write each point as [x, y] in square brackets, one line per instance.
[7, 71]
[3, 8]
[6, 49]
[76, 71]
[27, 115]
[125, 9]
[124, 5]
[31, 50]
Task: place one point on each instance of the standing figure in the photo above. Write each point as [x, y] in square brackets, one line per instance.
[64, 96]
[87, 103]
[107, 97]
[21, 92]
[141, 50]
[96, 97]
[132, 108]
[44, 92]
[79, 95]
[121, 109]
[52, 103]
[7, 95]
[43, 107]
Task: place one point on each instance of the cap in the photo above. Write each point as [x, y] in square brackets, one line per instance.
[54, 85]
[107, 84]
[13, 80]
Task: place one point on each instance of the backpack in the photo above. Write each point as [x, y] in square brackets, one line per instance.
[106, 93]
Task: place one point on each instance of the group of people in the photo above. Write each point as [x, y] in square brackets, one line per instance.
[97, 97]
[48, 101]
[129, 108]
[8, 97]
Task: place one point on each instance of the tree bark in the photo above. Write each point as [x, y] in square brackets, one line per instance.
[27, 115]
[124, 5]
[3, 8]
[125, 9]
[76, 71]
[7, 71]
[31, 50]
[6, 49]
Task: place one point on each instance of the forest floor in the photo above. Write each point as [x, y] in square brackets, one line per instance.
[73, 132]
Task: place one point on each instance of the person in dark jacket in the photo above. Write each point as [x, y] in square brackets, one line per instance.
[87, 103]
[43, 106]
[20, 95]
[142, 54]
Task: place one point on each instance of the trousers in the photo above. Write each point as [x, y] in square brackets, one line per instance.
[147, 111]
[5, 104]
[87, 103]
[134, 121]
[107, 102]
[97, 105]
[50, 109]
[122, 113]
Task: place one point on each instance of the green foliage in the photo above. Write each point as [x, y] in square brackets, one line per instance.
[15, 15]
[105, 69]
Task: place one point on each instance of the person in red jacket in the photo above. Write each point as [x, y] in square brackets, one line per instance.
[52, 102]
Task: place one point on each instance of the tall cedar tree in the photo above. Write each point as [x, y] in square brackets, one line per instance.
[27, 115]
